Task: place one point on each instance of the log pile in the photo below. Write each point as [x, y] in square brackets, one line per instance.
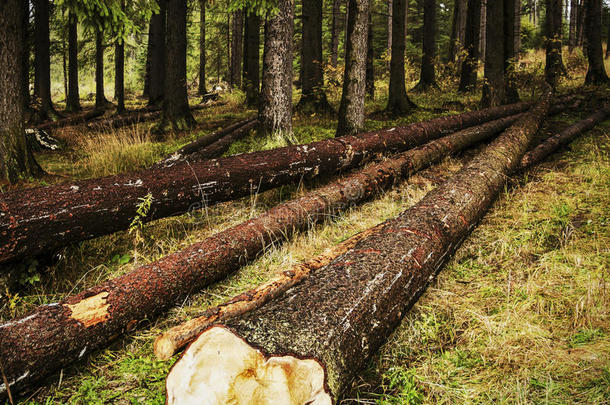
[42, 219]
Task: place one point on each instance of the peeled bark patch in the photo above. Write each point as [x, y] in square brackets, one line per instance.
[90, 311]
[341, 314]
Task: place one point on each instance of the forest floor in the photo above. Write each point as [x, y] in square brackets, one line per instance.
[520, 315]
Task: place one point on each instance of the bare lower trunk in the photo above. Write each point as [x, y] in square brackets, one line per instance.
[251, 59]
[512, 94]
[553, 25]
[201, 89]
[157, 37]
[468, 75]
[237, 38]
[327, 327]
[42, 51]
[73, 97]
[334, 34]
[573, 23]
[494, 87]
[100, 97]
[427, 76]
[596, 74]
[370, 60]
[398, 101]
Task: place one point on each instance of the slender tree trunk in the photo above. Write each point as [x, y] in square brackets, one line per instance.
[580, 27]
[494, 87]
[202, 88]
[73, 100]
[390, 14]
[43, 58]
[157, 38]
[517, 41]
[370, 61]
[483, 31]
[25, 57]
[334, 33]
[596, 74]
[237, 46]
[146, 91]
[351, 109]
[16, 161]
[398, 101]
[427, 77]
[573, 20]
[608, 38]
[313, 97]
[251, 59]
[64, 62]
[100, 97]
[512, 95]
[553, 25]
[176, 111]
[458, 22]
[468, 75]
[119, 71]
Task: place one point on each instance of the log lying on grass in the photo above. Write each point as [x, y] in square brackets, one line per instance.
[41, 219]
[305, 347]
[53, 336]
[75, 119]
[200, 148]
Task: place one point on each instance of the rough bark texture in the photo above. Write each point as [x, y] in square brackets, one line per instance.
[15, 160]
[73, 99]
[334, 33]
[251, 59]
[553, 25]
[370, 60]
[43, 58]
[390, 23]
[176, 111]
[517, 29]
[468, 75]
[378, 177]
[483, 30]
[25, 56]
[458, 30]
[158, 23]
[345, 311]
[275, 114]
[398, 100]
[100, 97]
[351, 109]
[573, 22]
[313, 98]
[41, 219]
[512, 94]
[237, 38]
[201, 89]
[596, 74]
[427, 76]
[119, 72]
[494, 87]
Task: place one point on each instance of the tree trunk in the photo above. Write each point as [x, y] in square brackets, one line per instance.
[313, 97]
[607, 39]
[237, 46]
[72, 120]
[596, 74]
[517, 31]
[351, 109]
[62, 333]
[458, 22]
[494, 87]
[334, 33]
[553, 25]
[25, 57]
[580, 27]
[398, 101]
[483, 31]
[43, 58]
[468, 75]
[573, 20]
[370, 61]
[251, 59]
[119, 71]
[336, 319]
[390, 19]
[158, 24]
[201, 89]
[275, 113]
[73, 100]
[45, 218]
[427, 76]
[100, 97]
[176, 111]
[16, 161]
[512, 94]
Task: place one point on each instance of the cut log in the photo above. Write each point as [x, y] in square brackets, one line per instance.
[194, 149]
[305, 346]
[62, 333]
[73, 120]
[219, 147]
[41, 219]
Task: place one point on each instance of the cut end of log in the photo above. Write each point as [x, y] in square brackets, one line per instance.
[164, 348]
[221, 368]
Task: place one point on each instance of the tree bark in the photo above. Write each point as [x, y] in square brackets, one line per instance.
[42, 219]
[25, 57]
[512, 94]
[62, 333]
[73, 98]
[370, 60]
[351, 109]
[313, 98]
[176, 111]
[427, 76]
[517, 31]
[201, 89]
[43, 58]
[390, 22]
[494, 87]
[100, 97]
[334, 33]
[468, 75]
[580, 27]
[553, 24]
[483, 30]
[607, 39]
[251, 59]
[275, 112]
[596, 74]
[158, 24]
[16, 161]
[573, 23]
[237, 37]
[458, 22]
[340, 316]
[119, 71]
[398, 100]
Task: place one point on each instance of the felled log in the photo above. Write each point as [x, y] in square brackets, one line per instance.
[41, 219]
[53, 336]
[75, 119]
[194, 149]
[305, 346]
[39, 140]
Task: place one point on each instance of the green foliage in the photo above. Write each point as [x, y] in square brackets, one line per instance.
[403, 387]
[142, 210]
[532, 36]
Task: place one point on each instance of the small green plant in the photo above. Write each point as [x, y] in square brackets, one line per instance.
[403, 384]
[142, 210]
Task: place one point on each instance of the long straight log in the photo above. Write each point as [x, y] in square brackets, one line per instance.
[53, 336]
[305, 347]
[75, 119]
[42, 219]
